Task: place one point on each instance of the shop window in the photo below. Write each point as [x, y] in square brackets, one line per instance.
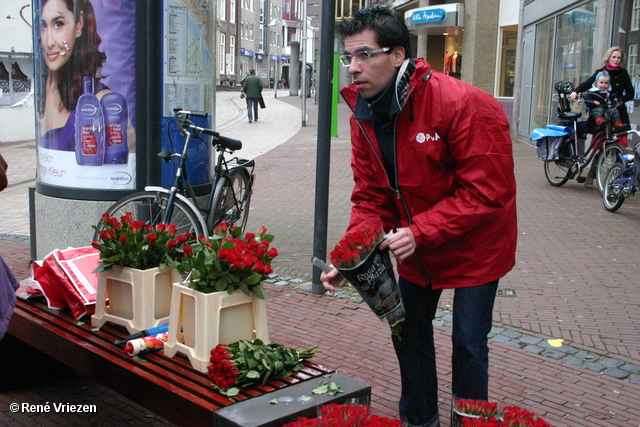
[223, 68]
[344, 7]
[632, 60]
[507, 61]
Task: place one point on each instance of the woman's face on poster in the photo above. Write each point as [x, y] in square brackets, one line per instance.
[58, 32]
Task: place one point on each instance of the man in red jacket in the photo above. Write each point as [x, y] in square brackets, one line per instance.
[432, 162]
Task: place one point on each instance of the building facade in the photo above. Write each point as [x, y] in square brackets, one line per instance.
[565, 40]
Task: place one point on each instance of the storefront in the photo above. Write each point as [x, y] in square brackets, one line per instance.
[473, 41]
[567, 43]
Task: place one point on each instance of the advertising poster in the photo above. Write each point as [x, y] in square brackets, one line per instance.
[85, 54]
[16, 77]
[188, 81]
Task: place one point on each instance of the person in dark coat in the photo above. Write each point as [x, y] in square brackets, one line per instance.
[252, 88]
[620, 83]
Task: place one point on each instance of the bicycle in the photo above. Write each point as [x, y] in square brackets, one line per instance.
[622, 180]
[558, 145]
[228, 200]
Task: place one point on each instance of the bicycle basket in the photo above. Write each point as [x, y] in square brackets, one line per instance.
[549, 148]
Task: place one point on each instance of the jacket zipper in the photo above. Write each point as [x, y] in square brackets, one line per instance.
[396, 190]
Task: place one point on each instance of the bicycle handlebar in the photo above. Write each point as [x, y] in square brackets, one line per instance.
[180, 111]
[223, 141]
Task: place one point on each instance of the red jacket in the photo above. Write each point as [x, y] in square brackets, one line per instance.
[457, 190]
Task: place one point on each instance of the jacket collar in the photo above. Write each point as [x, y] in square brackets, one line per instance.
[394, 97]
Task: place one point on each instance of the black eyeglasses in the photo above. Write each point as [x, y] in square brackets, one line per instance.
[361, 57]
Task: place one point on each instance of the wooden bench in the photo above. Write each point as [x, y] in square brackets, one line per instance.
[170, 387]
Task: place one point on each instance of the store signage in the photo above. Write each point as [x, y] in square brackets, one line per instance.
[447, 17]
[428, 15]
[259, 57]
[582, 17]
[245, 52]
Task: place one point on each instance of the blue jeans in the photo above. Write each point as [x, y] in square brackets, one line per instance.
[253, 104]
[472, 318]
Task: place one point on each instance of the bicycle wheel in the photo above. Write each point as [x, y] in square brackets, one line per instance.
[231, 200]
[612, 195]
[150, 207]
[613, 153]
[558, 171]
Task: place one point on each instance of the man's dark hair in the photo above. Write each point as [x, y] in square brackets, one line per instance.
[390, 29]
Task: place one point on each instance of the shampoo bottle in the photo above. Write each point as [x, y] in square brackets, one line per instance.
[89, 127]
[116, 120]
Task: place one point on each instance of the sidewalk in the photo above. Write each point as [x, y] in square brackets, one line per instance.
[574, 280]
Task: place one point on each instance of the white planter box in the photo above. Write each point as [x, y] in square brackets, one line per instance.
[137, 299]
[198, 322]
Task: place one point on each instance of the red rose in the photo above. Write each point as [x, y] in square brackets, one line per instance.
[188, 250]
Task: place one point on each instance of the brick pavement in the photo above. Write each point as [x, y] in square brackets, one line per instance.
[574, 280]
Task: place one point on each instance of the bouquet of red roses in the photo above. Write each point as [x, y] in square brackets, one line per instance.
[334, 415]
[355, 247]
[360, 260]
[244, 363]
[478, 413]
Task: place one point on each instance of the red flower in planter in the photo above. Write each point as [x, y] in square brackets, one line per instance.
[136, 244]
[229, 261]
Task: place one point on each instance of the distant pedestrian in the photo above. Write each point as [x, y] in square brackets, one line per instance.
[252, 88]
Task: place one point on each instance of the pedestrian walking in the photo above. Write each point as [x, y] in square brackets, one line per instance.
[432, 161]
[252, 88]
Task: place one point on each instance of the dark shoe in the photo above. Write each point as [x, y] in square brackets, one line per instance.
[601, 127]
[620, 129]
[256, 119]
[250, 121]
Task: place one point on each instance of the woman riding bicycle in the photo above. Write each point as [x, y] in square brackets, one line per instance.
[620, 86]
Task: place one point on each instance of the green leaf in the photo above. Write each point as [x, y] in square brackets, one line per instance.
[254, 279]
[233, 391]
[305, 398]
[274, 401]
[260, 292]
[334, 389]
[324, 388]
[253, 374]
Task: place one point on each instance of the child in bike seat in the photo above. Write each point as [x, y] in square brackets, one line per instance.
[598, 99]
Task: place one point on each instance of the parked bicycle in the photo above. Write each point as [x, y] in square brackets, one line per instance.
[560, 146]
[228, 200]
[622, 179]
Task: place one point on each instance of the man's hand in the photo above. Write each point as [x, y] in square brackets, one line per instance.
[401, 243]
[329, 281]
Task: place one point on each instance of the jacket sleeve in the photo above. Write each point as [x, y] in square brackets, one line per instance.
[587, 84]
[629, 91]
[482, 170]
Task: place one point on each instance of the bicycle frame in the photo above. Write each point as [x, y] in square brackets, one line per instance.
[222, 168]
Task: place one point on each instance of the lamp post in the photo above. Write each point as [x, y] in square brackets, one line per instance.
[276, 23]
[303, 80]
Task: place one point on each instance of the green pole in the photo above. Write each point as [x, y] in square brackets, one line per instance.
[335, 95]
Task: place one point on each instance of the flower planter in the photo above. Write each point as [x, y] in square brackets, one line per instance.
[137, 299]
[198, 322]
